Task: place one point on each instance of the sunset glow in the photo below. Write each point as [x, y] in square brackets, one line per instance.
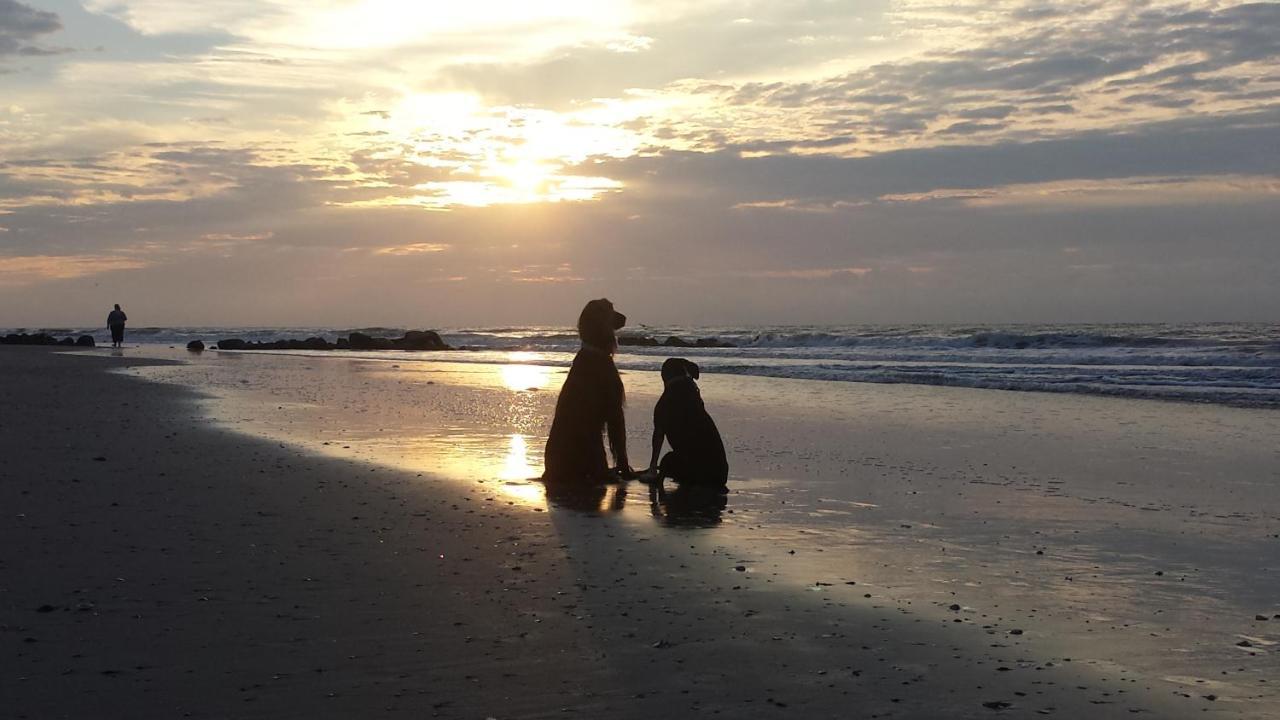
[593, 143]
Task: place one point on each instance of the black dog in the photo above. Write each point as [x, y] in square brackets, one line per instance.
[590, 401]
[697, 452]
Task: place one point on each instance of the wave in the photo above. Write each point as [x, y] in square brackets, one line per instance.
[1229, 363]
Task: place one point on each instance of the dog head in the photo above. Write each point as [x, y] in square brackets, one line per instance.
[597, 323]
[674, 368]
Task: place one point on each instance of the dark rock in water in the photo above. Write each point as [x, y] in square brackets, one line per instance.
[713, 343]
[195, 345]
[67, 341]
[414, 340]
[421, 340]
[636, 341]
[32, 339]
[674, 341]
[85, 341]
[360, 341]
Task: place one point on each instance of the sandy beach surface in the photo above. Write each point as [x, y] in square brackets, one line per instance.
[272, 535]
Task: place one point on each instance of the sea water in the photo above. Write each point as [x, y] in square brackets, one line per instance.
[1226, 363]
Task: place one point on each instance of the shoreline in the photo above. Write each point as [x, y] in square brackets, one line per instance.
[648, 603]
[1232, 364]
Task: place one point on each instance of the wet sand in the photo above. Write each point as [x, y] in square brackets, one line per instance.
[357, 539]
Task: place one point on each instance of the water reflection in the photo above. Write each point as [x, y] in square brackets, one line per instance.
[592, 499]
[690, 506]
[525, 377]
[519, 477]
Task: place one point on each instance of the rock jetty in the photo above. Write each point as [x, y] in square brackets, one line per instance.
[412, 340]
[46, 339]
[672, 341]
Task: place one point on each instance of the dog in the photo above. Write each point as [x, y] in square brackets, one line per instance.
[591, 402]
[697, 454]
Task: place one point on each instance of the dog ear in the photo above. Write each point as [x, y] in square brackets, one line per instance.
[692, 367]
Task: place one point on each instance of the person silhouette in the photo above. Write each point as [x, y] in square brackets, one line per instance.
[116, 320]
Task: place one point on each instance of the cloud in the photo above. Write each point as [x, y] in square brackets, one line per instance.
[1114, 192]
[812, 273]
[30, 269]
[20, 24]
[1039, 72]
[758, 156]
[411, 249]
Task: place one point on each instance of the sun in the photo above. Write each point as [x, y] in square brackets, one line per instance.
[471, 153]
[528, 178]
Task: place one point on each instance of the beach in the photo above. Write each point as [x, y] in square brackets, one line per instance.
[295, 535]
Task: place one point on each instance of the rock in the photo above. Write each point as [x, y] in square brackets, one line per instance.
[674, 341]
[1260, 617]
[995, 705]
[713, 343]
[85, 341]
[316, 343]
[32, 339]
[232, 344]
[343, 344]
[636, 341]
[196, 346]
[67, 341]
[421, 340]
[360, 341]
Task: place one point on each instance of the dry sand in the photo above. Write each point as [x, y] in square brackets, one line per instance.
[341, 556]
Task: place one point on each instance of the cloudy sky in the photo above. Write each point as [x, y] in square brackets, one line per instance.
[421, 163]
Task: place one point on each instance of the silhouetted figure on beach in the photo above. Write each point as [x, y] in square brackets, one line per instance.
[590, 403]
[116, 320]
[697, 453]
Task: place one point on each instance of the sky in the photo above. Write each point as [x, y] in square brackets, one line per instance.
[430, 164]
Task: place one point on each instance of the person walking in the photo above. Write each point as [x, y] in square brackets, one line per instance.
[116, 320]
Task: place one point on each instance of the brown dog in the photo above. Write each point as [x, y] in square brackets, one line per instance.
[590, 401]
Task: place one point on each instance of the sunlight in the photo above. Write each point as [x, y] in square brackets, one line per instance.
[517, 474]
[525, 377]
[527, 177]
[485, 155]
[488, 24]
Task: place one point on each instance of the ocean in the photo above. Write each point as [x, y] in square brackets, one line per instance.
[1225, 363]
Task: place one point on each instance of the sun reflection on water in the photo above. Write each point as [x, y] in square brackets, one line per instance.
[525, 377]
[518, 474]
